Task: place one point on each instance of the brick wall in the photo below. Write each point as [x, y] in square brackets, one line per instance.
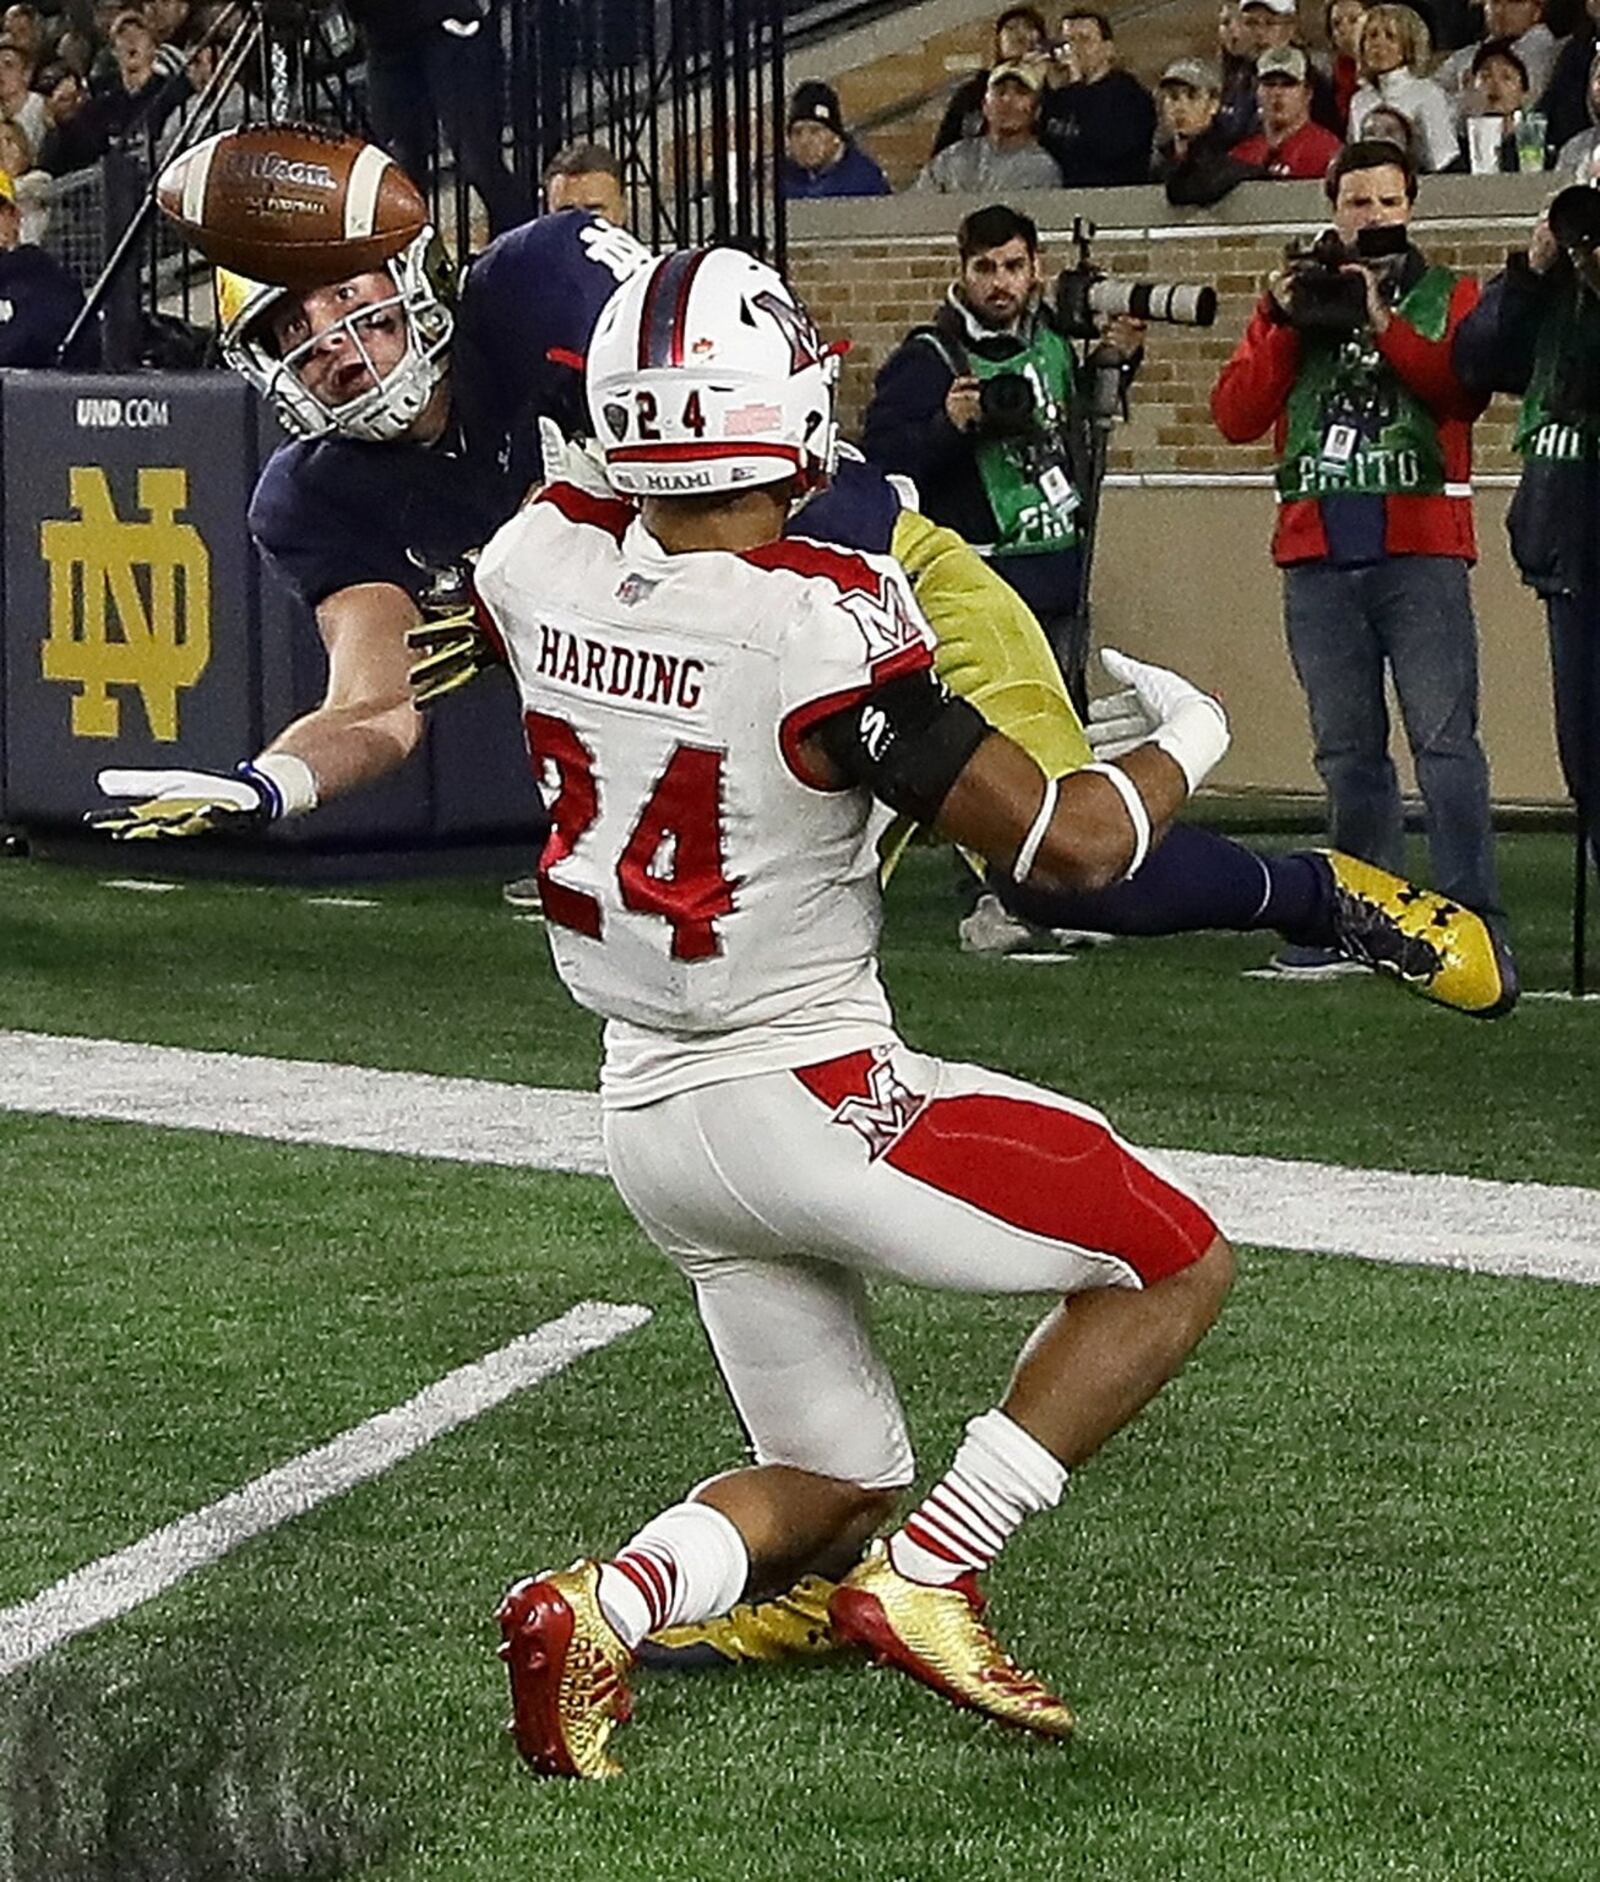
[875, 289]
[1183, 574]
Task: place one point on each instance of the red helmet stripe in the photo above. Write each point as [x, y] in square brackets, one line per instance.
[680, 453]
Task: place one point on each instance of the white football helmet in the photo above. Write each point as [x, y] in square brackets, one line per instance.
[387, 409]
[705, 373]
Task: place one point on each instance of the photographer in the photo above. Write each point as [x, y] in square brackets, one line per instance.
[1347, 360]
[978, 409]
[1537, 331]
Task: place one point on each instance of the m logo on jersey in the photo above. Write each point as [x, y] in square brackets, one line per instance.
[884, 619]
[887, 1111]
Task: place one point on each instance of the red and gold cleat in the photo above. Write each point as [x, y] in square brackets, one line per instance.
[569, 1687]
[937, 1635]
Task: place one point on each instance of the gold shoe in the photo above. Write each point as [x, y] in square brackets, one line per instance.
[568, 1667]
[1435, 946]
[791, 1626]
[937, 1635]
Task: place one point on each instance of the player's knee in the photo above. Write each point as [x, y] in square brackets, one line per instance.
[1191, 1296]
[1208, 1281]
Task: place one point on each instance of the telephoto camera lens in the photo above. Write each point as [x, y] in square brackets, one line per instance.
[1178, 303]
[1085, 297]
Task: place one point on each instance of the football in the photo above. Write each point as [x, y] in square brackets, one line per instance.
[291, 205]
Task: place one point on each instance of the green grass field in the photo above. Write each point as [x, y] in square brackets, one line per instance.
[1328, 1612]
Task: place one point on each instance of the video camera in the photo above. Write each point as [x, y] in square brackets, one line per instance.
[1322, 297]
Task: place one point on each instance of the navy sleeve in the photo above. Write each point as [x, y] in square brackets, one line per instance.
[906, 427]
[538, 289]
[858, 510]
[1494, 346]
[311, 541]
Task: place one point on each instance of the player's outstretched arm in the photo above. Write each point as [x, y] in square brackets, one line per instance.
[933, 757]
[1097, 825]
[365, 727]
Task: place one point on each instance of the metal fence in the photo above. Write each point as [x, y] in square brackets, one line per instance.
[688, 95]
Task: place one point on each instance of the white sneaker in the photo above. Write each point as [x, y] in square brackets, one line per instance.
[523, 895]
[990, 929]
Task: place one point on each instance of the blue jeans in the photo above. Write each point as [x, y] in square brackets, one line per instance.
[1412, 615]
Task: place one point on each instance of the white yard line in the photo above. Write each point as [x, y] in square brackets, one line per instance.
[1530, 1229]
[114, 1585]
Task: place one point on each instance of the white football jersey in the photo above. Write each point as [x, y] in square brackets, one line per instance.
[715, 905]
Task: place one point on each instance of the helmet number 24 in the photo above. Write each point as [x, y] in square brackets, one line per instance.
[646, 413]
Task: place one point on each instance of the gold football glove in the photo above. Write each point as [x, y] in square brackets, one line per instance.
[451, 642]
[450, 649]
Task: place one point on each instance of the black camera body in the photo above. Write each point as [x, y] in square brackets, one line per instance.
[1007, 407]
[1322, 297]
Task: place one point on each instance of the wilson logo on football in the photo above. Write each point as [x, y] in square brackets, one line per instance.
[271, 166]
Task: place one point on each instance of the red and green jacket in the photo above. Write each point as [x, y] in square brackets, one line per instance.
[1277, 376]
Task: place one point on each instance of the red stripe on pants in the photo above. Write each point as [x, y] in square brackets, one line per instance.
[1048, 1171]
[1054, 1174]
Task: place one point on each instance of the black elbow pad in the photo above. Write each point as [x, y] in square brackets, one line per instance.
[907, 742]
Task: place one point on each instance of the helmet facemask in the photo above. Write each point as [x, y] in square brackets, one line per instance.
[388, 408]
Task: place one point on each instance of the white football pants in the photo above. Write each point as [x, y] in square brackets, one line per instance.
[775, 1195]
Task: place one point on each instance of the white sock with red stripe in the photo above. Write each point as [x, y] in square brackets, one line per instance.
[686, 1564]
[1000, 1475]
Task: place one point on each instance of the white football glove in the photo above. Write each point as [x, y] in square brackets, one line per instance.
[200, 803]
[1189, 726]
[1116, 723]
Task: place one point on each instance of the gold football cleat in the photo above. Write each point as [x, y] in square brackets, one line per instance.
[937, 1635]
[1435, 946]
[793, 1625]
[568, 1667]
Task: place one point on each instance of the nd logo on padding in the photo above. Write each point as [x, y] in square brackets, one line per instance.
[130, 601]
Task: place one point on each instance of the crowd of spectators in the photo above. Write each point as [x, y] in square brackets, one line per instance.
[76, 78]
[1457, 86]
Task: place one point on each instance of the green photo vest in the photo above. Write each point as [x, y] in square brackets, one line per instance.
[1573, 332]
[1026, 519]
[1345, 386]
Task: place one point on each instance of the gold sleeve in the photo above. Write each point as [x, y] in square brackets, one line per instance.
[992, 651]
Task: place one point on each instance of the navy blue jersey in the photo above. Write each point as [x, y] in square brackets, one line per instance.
[332, 512]
[858, 510]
